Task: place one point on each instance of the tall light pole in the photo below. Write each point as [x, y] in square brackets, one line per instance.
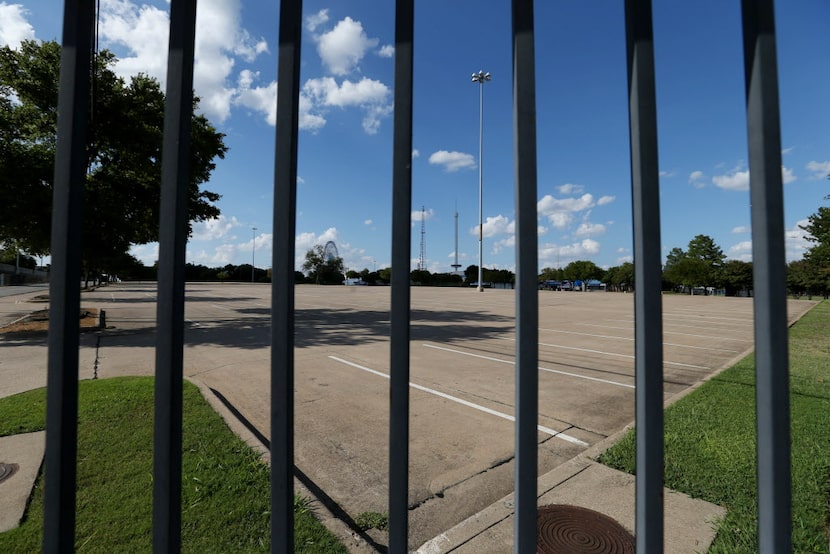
[253, 251]
[480, 78]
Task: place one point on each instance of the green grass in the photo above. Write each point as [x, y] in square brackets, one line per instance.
[710, 443]
[225, 487]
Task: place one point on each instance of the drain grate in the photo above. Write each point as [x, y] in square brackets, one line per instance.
[7, 470]
[564, 528]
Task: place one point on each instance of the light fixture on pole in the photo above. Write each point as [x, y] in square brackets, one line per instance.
[480, 78]
[253, 251]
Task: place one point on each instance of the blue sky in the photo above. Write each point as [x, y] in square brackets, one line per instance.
[345, 146]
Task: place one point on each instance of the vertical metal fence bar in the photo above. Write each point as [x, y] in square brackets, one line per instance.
[64, 286]
[401, 243]
[175, 180]
[769, 277]
[282, 282]
[527, 269]
[648, 324]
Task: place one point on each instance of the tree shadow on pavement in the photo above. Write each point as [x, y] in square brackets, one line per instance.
[319, 327]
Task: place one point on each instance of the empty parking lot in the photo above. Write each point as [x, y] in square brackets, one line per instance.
[462, 377]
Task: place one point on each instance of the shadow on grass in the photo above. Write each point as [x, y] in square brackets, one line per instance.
[330, 504]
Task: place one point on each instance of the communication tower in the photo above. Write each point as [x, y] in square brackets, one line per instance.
[422, 259]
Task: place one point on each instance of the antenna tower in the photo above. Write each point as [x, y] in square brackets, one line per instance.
[422, 265]
[456, 265]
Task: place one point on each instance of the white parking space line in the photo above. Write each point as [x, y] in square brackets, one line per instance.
[542, 428]
[631, 340]
[629, 356]
[631, 328]
[511, 362]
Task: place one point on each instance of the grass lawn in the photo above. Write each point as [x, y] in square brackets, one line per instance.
[710, 443]
[225, 488]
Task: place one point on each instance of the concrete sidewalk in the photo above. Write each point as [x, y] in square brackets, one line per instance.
[689, 523]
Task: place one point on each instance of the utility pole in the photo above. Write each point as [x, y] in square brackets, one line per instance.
[422, 259]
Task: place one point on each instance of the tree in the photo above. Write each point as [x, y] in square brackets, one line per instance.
[550, 274]
[736, 276]
[621, 277]
[816, 270]
[583, 270]
[321, 269]
[700, 265]
[674, 256]
[703, 247]
[124, 138]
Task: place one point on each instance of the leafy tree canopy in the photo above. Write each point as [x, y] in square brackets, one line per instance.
[321, 269]
[704, 248]
[583, 270]
[124, 140]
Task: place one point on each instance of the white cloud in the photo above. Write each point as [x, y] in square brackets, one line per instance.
[317, 19]
[734, 180]
[603, 200]
[741, 229]
[415, 153]
[367, 222]
[555, 255]
[590, 230]
[138, 34]
[452, 161]
[785, 151]
[667, 173]
[14, 28]
[795, 245]
[795, 241]
[741, 251]
[148, 254]
[342, 48]
[560, 220]
[696, 179]
[570, 188]
[739, 180]
[386, 51]
[258, 98]
[498, 225]
[212, 229]
[559, 210]
[820, 170]
[499, 245]
[326, 91]
[368, 94]
[426, 215]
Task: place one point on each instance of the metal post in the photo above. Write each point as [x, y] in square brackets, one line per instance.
[401, 237]
[648, 324]
[282, 283]
[175, 182]
[527, 268]
[64, 285]
[769, 278]
[481, 77]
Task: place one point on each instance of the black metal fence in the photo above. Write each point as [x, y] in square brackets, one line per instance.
[768, 254]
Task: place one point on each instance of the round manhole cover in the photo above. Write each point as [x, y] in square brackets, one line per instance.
[563, 528]
[7, 470]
